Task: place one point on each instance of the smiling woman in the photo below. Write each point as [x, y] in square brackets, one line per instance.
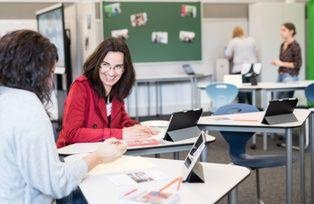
[94, 109]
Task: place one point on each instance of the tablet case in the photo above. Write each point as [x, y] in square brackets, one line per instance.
[280, 111]
[183, 125]
[182, 134]
[196, 175]
[278, 119]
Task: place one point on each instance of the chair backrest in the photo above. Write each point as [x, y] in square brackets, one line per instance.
[309, 93]
[236, 140]
[221, 94]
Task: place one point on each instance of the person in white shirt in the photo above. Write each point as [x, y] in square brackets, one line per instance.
[30, 169]
[241, 50]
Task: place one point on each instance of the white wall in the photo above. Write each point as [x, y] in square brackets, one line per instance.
[7, 25]
[265, 22]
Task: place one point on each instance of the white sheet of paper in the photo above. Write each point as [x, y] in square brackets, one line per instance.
[124, 164]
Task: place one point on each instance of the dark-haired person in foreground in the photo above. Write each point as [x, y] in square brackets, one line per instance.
[94, 109]
[30, 169]
[290, 58]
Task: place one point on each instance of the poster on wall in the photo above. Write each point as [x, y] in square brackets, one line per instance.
[50, 25]
[186, 36]
[112, 9]
[188, 11]
[122, 33]
[160, 37]
[138, 19]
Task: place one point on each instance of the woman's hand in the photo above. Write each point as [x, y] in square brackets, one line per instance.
[137, 132]
[111, 149]
[277, 63]
[108, 151]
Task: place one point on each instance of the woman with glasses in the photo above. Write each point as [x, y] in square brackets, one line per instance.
[94, 109]
[30, 169]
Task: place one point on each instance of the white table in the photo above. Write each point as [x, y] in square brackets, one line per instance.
[159, 79]
[167, 147]
[220, 179]
[211, 123]
[267, 89]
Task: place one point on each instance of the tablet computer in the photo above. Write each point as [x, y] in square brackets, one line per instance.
[183, 125]
[192, 169]
[188, 69]
[280, 111]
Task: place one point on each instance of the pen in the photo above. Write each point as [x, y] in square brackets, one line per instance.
[128, 193]
[171, 183]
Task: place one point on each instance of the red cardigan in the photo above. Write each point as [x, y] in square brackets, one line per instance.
[85, 116]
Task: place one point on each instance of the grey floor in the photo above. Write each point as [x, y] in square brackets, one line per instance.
[272, 179]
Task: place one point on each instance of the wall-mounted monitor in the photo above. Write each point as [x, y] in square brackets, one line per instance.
[50, 22]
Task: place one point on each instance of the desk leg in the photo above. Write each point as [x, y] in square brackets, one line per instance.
[160, 98]
[233, 196]
[265, 141]
[302, 168]
[156, 98]
[148, 98]
[192, 92]
[136, 101]
[311, 133]
[176, 155]
[289, 166]
[254, 97]
[204, 157]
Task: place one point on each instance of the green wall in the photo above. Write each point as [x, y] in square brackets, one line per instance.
[310, 40]
[162, 16]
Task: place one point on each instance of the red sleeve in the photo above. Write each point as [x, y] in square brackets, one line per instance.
[73, 120]
[125, 119]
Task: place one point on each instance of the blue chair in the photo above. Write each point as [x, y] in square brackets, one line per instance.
[221, 94]
[309, 93]
[237, 146]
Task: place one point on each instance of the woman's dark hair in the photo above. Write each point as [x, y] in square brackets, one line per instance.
[91, 68]
[290, 27]
[27, 60]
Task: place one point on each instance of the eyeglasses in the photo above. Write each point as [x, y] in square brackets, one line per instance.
[105, 67]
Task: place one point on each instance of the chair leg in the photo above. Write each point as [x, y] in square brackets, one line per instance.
[258, 190]
[176, 155]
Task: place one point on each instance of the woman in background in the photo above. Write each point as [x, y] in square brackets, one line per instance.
[94, 109]
[290, 58]
[241, 50]
[30, 169]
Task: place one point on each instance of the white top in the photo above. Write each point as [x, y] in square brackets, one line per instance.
[219, 180]
[242, 51]
[30, 169]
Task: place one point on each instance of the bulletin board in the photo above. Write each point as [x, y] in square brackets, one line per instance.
[156, 31]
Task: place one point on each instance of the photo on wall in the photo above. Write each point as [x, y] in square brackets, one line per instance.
[186, 36]
[122, 33]
[112, 9]
[160, 37]
[188, 11]
[138, 19]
